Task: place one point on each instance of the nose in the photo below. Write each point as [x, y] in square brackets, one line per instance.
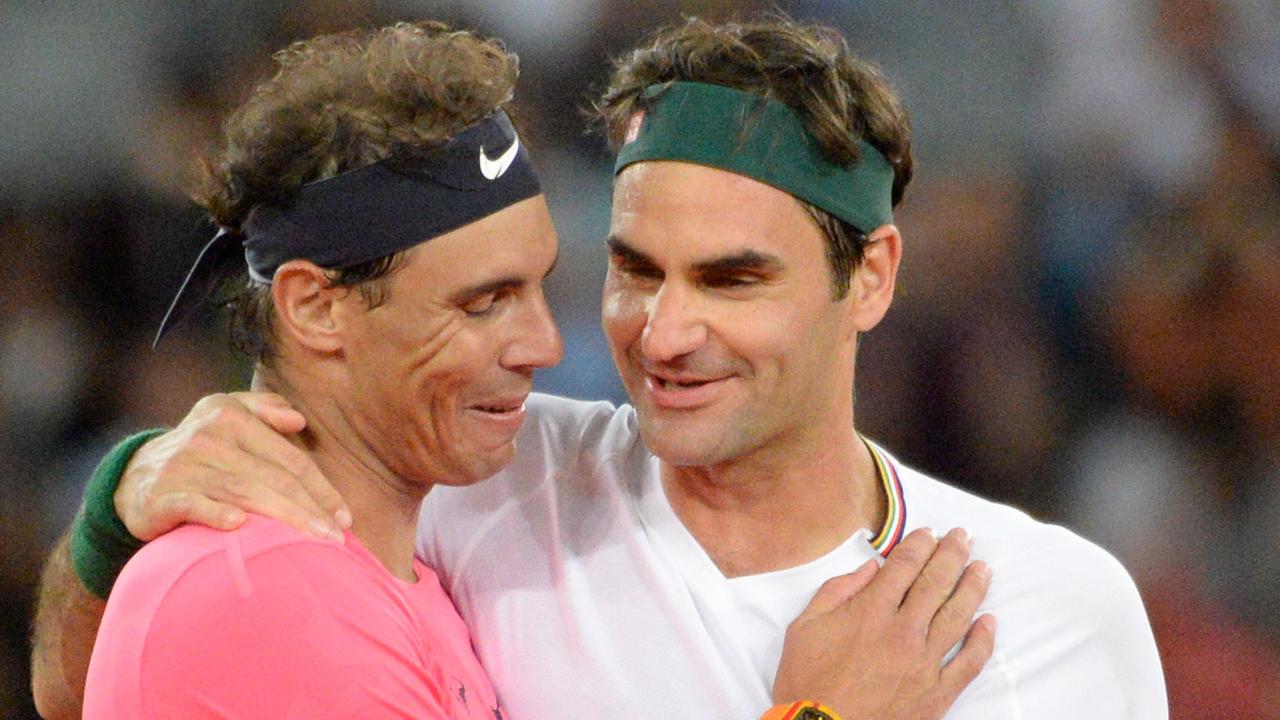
[674, 327]
[538, 343]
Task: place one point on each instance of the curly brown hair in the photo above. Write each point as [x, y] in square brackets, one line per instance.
[810, 68]
[337, 103]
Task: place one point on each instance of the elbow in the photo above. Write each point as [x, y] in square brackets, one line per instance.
[53, 700]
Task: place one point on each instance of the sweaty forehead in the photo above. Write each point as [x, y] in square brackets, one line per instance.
[519, 240]
[671, 201]
[700, 183]
[680, 214]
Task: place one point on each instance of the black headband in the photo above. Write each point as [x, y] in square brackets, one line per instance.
[370, 212]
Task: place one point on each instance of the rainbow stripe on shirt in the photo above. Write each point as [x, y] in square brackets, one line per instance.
[895, 519]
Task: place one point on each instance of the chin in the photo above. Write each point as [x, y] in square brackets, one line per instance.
[676, 444]
[482, 466]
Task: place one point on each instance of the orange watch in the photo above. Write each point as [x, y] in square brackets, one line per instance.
[800, 710]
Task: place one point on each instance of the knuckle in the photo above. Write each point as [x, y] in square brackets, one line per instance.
[954, 612]
[949, 617]
[149, 507]
[208, 405]
[236, 485]
[200, 443]
[176, 506]
[227, 416]
[970, 666]
[275, 478]
[906, 555]
[909, 636]
[288, 486]
[296, 463]
[970, 591]
[933, 577]
[203, 404]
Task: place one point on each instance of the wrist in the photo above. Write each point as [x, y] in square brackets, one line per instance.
[100, 543]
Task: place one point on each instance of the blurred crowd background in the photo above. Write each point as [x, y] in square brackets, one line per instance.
[1088, 319]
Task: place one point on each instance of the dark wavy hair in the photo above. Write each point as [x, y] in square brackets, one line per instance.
[337, 103]
[810, 68]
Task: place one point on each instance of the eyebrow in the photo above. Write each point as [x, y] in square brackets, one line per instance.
[511, 282]
[743, 260]
[625, 252]
[491, 286]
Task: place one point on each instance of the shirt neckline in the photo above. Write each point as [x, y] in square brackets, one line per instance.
[662, 522]
[895, 518]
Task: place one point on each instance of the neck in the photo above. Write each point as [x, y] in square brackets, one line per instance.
[774, 510]
[384, 506]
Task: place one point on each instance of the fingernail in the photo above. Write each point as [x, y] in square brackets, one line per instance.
[983, 570]
[343, 517]
[931, 533]
[324, 530]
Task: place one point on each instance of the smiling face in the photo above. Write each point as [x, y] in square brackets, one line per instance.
[439, 373]
[719, 313]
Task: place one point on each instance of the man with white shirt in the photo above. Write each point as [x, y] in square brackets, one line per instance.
[649, 561]
[667, 546]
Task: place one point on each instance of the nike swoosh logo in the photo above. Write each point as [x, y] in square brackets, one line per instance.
[493, 169]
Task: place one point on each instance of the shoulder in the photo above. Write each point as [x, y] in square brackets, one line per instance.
[1027, 555]
[572, 457]
[1033, 553]
[561, 438]
[262, 618]
[192, 555]
[566, 427]
[1069, 614]
[263, 568]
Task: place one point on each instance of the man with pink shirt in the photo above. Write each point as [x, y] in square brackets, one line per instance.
[393, 295]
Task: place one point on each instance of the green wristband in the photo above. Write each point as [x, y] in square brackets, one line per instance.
[100, 543]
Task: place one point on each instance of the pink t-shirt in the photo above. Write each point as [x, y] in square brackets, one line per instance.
[266, 622]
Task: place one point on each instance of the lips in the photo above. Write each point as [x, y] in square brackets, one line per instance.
[682, 391]
[502, 415]
[501, 405]
[678, 384]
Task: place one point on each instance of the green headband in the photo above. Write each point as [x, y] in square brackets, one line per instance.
[763, 139]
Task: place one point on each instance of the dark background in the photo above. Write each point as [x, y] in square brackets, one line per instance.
[1087, 324]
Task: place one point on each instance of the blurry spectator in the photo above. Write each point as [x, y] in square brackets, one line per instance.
[1181, 478]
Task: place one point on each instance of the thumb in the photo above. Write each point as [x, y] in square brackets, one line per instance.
[839, 589]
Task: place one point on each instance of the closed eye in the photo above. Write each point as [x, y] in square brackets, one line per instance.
[643, 271]
[481, 305]
[632, 262]
[481, 300]
[739, 280]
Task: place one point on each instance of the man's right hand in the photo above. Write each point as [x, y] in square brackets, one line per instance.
[229, 456]
[872, 644]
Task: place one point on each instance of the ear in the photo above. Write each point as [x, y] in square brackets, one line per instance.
[872, 281]
[305, 303]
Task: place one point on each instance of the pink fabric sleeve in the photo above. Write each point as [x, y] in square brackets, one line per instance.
[298, 631]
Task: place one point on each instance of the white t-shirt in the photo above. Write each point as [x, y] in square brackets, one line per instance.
[586, 594]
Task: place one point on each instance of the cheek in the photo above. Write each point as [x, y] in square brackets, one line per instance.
[624, 311]
[771, 337]
[404, 355]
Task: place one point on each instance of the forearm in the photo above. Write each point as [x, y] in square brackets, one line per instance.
[66, 623]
